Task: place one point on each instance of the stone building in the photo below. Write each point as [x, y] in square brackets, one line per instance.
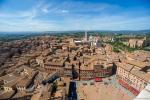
[137, 42]
[133, 75]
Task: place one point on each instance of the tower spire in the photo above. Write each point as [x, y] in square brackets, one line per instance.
[86, 36]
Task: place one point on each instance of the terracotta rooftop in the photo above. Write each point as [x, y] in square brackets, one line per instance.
[138, 63]
[21, 94]
[141, 74]
[9, 77]
[6, 95]
[125, 66]
[57, 63]
[24, 82]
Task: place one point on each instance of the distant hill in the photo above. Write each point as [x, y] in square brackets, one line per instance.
[9, 36]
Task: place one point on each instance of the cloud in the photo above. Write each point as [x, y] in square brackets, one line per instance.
[97, 23]
[27, 25]
[19, 14]
[30, 13]
[73, 15]
[86, 8]
[65, 11]
[26, 20]
[45, 10]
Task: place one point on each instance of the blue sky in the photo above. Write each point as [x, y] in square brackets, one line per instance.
[62, 15]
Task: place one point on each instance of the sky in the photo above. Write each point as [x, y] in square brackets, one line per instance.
[66, 15]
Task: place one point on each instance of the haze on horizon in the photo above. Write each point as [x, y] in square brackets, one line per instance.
[61, 15]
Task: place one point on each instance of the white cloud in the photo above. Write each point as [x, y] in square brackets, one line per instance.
[95, 23]
[30, 13]
[45, 10]
[65, 11]
[70, 16]
[27, 25]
